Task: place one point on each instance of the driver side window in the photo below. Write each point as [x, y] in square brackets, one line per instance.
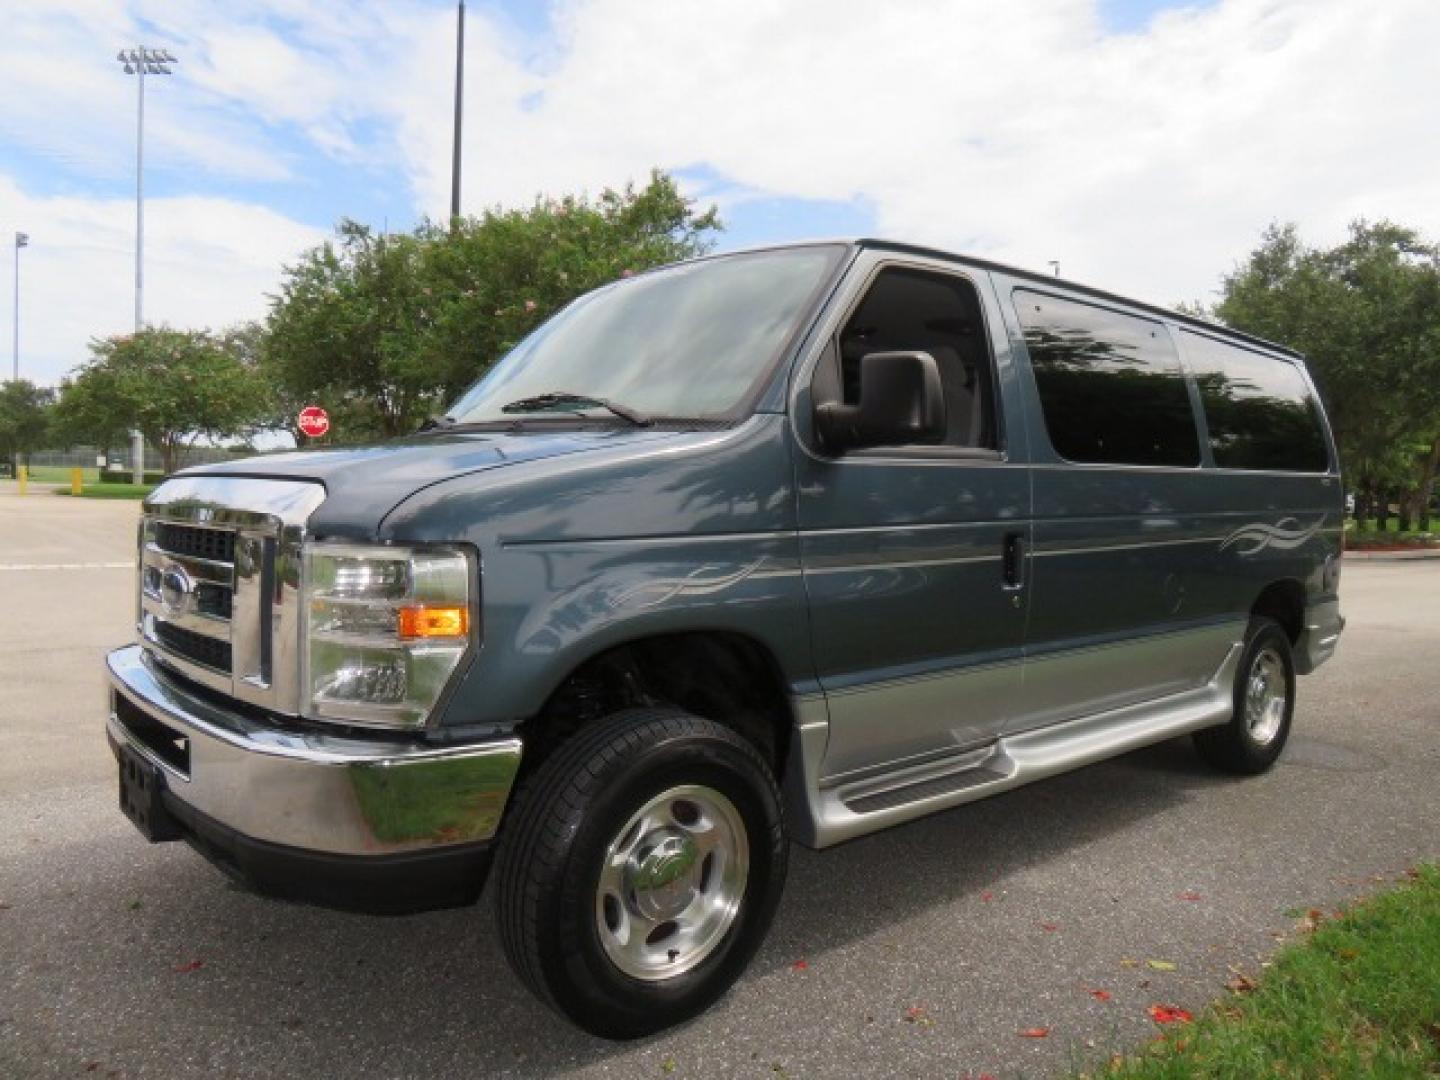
[914, 310]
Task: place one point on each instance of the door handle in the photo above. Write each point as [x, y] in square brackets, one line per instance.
[1013, 560]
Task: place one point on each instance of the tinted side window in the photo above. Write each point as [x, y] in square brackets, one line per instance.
[1111, 386]
[1258, 408]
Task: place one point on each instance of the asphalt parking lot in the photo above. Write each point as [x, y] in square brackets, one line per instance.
[924, 951]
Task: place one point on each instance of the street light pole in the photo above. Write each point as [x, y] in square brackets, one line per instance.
[141, 61]
[21, 240]
[459, 109]
[139, 196]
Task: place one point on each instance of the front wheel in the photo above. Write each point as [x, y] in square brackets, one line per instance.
[642, 870]
[1264, 704]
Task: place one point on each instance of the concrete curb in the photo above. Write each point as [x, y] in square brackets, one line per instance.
[1393, 556]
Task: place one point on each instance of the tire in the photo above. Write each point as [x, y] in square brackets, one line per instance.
[1264, 704]
[645, 827]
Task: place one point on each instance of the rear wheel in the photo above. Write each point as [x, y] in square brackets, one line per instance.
[642, 870]
[1264, 704]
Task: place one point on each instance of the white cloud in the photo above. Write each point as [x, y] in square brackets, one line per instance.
[68, 102]
[209, 262]
[1146, 162]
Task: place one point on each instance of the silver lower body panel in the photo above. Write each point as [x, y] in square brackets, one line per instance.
[822, 814]
[1317, 643]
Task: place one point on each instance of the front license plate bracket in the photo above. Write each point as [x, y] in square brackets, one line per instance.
[142, 787]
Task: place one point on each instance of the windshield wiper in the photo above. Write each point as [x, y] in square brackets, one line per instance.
[437, 423]
[561, 398]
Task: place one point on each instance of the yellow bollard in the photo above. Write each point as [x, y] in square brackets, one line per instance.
[75, 480]
[22, 473]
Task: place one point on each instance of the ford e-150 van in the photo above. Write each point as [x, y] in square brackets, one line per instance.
[792, 544]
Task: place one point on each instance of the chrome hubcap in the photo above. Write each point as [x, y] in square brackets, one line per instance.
[1265, 696]
[672, 882]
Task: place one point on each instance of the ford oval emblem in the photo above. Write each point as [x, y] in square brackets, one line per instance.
[176, 588]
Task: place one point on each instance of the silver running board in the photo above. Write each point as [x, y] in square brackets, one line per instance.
[821, 815]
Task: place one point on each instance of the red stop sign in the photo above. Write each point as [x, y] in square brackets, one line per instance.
[314, 421]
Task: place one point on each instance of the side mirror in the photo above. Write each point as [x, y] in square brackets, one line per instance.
[901, 403]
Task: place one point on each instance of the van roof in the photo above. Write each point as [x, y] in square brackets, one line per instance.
[1090, 290]
[1037, 278]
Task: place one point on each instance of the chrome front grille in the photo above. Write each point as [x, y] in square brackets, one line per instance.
[198, 648]
[220, 583]
[217, 545]
[187, 598]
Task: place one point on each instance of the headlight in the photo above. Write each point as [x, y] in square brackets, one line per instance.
[385, 630]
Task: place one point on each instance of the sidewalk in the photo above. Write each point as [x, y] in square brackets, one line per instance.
[37, 488]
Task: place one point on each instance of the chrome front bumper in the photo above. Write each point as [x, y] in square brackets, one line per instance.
[318, 792]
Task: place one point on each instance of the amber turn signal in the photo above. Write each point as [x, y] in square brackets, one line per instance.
[434, 622]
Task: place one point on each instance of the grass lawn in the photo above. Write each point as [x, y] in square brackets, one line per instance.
[1360, 541]
[60, 474]
[1391, 536]
[111, 491]
[1358, 997]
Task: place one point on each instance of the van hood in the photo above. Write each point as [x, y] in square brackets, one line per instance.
[363, 484]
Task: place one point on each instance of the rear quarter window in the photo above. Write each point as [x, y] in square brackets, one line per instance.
[1111, 386]
[1259, 409]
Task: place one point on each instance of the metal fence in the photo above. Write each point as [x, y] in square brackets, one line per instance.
[88, 457]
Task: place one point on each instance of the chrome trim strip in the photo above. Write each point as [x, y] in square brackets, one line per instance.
[317, 791]
[854, 530]
[819, 566]
[211, 570]
[1187, 470]
[1170, 636]
[210, 626]
[910, 527]
[247, 662]
[650, 538]
[1100, 549]
[927, 671]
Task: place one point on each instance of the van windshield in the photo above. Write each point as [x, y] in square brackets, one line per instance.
[690, 341]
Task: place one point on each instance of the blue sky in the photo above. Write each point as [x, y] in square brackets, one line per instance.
[323, 187]
[1143, 143]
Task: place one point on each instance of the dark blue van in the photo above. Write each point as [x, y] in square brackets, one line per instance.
[793, 544]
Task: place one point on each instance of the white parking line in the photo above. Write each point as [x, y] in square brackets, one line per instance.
[69, 566]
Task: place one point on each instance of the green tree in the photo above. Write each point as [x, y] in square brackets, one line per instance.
[341, 332]
[248, 342]
[1366, 313]
[175, 386]
[24, 418]
[382, 329]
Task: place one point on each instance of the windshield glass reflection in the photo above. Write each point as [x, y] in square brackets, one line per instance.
[688, 341]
